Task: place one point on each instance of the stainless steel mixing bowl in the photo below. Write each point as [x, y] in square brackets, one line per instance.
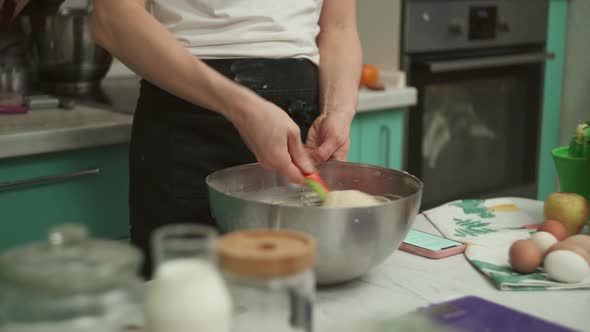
[351, 241]
[63, 52]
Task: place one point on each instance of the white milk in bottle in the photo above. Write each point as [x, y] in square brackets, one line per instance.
[187, 295]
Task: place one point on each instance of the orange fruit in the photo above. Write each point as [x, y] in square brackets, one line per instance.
[369, 75]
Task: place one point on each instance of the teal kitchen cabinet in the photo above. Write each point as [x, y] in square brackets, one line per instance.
[354, 153]
[377, 138]
[552, 96]
[86, 186]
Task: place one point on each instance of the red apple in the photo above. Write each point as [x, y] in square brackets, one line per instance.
[570, 209]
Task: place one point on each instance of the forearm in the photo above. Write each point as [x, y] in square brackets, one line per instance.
[9, 9]
[340, 69]
[132, 35]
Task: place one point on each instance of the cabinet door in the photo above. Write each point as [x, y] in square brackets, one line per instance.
[382, 138]
[84, 186]
[354, 154]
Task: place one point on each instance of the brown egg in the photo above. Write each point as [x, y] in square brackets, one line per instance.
[569, 246]
[554, 227]
[525, 257]
[582, 241]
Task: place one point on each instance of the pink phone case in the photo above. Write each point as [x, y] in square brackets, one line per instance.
[432, 254]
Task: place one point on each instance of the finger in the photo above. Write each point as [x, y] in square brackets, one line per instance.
[313, 136]
[288, 170]
[292, 172]
[278, 159]
[266, 166]
[340, 155]
[342, 152]
[330, 146]
[259, 156]
[298, 154]
[283, 164]
[314, 155]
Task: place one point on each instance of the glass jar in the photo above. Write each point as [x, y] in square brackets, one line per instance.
[187, 293]
[70, 284]
[270, 278]
[12, 84]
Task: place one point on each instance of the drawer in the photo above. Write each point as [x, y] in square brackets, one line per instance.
[84, 186]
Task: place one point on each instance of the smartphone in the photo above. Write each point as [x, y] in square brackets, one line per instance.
[430, 245]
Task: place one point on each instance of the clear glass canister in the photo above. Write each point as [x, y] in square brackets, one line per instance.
[70, 284]
[270, 278]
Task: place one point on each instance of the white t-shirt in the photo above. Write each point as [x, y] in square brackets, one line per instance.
[216, 29]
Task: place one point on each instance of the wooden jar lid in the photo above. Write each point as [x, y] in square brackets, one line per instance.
[266, 253]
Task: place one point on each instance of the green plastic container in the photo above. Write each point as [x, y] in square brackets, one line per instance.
[573, 173]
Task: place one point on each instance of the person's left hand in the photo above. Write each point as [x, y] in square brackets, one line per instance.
[329, 137]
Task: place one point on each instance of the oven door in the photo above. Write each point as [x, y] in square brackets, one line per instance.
[475, 130]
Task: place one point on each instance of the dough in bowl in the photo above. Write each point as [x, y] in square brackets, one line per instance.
[350, 198]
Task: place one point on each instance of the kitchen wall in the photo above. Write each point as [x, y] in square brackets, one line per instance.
[118, 69]
[379, 24]
[576, 89]
[75, 3]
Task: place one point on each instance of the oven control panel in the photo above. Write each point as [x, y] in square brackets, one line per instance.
[483, 22]
[435, 25]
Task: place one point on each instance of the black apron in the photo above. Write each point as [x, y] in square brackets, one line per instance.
[176, 144]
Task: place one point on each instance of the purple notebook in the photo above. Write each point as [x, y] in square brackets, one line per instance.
[474, 314]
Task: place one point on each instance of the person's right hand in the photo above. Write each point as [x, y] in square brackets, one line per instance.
[275, 140]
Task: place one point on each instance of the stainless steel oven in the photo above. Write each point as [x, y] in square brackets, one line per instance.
[478, 68]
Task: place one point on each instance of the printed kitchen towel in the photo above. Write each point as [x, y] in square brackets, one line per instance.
[489, 227]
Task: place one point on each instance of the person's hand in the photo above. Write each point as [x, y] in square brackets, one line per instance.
[329, 137]
[275, 140]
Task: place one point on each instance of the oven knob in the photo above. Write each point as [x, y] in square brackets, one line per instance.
[503, 27]
[456, 29]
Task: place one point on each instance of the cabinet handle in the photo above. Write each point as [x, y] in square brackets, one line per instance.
[45, 179]
[386, 134]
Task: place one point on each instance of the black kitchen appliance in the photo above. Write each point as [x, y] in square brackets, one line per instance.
[478, 68]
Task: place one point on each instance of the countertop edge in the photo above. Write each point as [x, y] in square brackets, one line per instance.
[64, 139]
[116, 130]
[392, 97]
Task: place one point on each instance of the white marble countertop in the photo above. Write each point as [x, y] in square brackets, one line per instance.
[53, 130]
[391, 97]
[405, 282]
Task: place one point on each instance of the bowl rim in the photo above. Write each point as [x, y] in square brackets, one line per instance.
[221, 172]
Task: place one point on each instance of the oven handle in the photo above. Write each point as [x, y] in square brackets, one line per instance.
[488, 62]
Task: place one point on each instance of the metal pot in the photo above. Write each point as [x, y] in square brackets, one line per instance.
[63, 52]
[351, 241]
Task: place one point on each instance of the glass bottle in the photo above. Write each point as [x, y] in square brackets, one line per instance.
[187, 293]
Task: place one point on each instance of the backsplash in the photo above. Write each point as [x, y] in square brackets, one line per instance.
[118, 69]
[379, 25]
[576, 85]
